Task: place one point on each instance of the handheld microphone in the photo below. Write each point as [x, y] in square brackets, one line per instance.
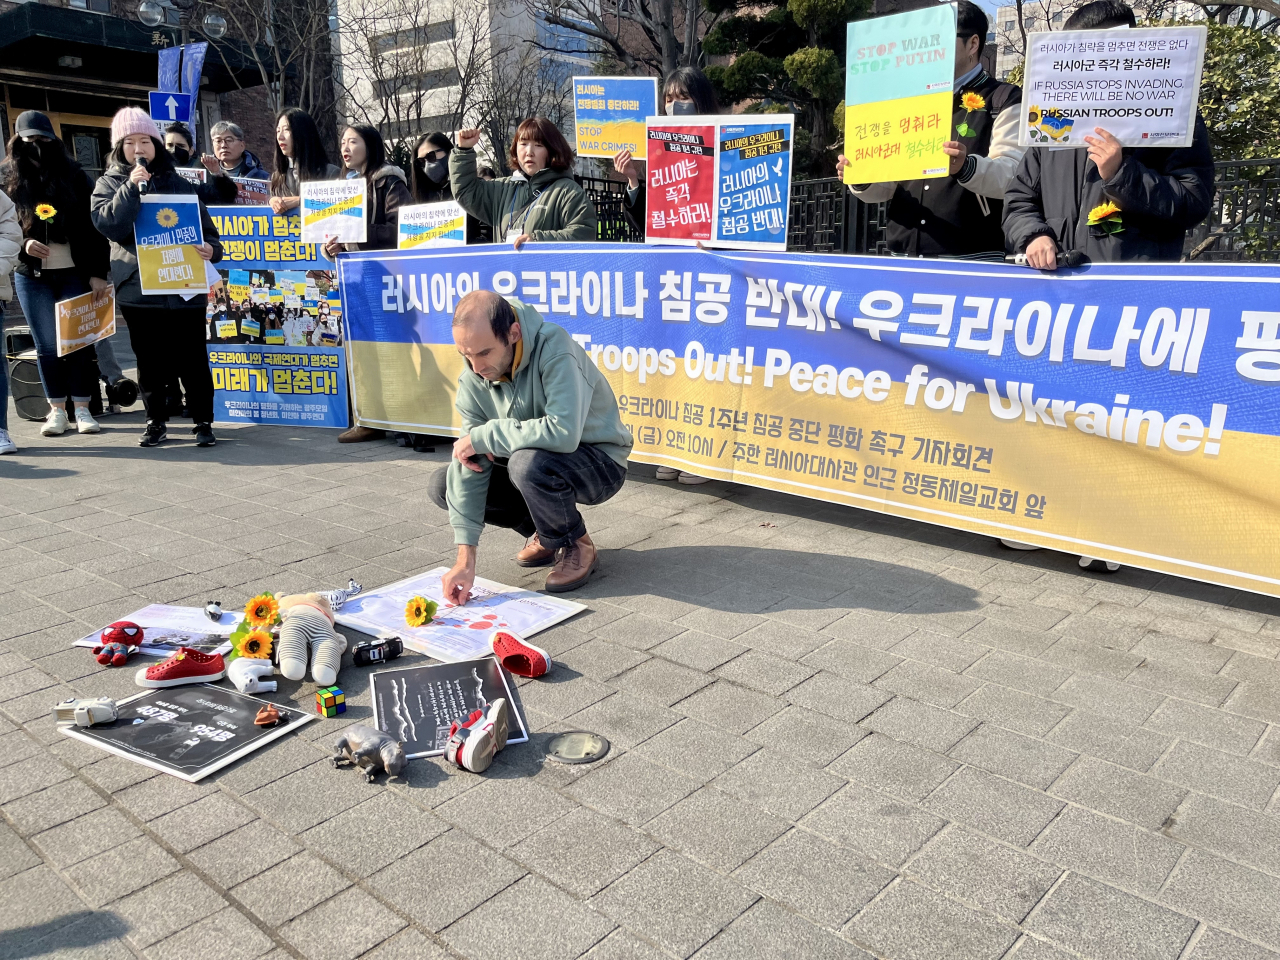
[145, 185]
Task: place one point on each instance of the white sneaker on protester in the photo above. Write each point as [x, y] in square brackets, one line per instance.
[1018, 545]
[692, 479]
[667, 473]
[55, 424]
[1098, 566]
[6, 443]
[85, 422]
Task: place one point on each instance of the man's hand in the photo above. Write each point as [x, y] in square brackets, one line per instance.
[37, 249]
[463, 452]
[1042, 253]
[841, 162]
[457, 583]
[468, 138]
[958, 154]
[521, 240]
[625, 164]
[332, 248]
[99, 286]
[1106, 153]
[211, 164]
[205, 250]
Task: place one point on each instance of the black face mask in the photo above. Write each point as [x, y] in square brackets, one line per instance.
[181, 156]
[437, 171]
[681, 108]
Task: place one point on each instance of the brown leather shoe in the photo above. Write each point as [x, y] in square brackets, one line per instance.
[360, 435]
[534, 554]
[574, 566]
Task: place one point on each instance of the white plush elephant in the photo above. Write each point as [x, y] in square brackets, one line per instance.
[308, 628]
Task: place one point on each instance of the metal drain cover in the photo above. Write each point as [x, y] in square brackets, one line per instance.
[577, 746]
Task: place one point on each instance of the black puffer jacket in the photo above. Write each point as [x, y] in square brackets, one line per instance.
[71, 225]
[115, 206]
[1161, 193]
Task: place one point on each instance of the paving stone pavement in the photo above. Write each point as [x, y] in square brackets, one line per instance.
[836, 735]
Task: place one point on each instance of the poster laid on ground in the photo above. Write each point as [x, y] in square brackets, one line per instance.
[899, 74]
[85, 319]
[275, 332]
[416, 705]
[334, 208]
[456, 633]
[188, 732]
[610, 112]
[165, 628]
[1141, 86]
[442, 224]
[166, 235]
[1124, 412]
[722, 181]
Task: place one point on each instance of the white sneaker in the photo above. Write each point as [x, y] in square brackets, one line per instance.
[6, 443]
[667, 473]
[1098, 566]
[1018, 545]
[692, 479]
[85, 422]
[55, 424]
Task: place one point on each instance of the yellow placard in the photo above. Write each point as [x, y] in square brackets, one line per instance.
[177, 269]
[892, 140]
[84, 320]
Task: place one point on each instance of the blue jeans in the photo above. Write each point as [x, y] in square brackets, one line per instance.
[4, 375]
[74, 375]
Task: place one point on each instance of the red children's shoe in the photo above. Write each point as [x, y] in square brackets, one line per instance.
[473, 744]
[519, 656]
[185, 666]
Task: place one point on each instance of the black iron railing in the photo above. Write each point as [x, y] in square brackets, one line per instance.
[1244, 223]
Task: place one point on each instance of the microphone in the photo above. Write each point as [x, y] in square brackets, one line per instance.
[145, 185]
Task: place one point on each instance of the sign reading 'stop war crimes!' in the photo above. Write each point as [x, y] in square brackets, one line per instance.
[1141, 86]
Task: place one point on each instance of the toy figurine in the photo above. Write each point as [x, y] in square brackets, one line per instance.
[268, 716]
[330, 701]
[213, 610]
[337, 598]
[369, 749]
[308, 628]
[85, 712]
[369, 652]
[119, 641]
[247, 674]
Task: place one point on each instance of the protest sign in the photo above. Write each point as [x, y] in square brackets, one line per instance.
[441, 224]
[192, 174]
[251, 192]
[85, 319]
[720, 181]
[334, 208]
[165, 628]
[1141, 86]
[898, 100]
[166, 235]
[610, 112]
[1125, 411]
[274, 343]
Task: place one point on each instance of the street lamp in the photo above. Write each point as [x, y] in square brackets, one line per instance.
[151, 13]
[215, 26]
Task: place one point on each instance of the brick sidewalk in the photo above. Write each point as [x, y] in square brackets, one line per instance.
[835, 735]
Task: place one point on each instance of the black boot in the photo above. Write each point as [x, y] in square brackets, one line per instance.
[204, 435]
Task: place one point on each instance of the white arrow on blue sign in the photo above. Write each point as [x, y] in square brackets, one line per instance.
[168, 107]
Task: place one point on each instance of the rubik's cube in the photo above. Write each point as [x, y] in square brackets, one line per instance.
[330, 701]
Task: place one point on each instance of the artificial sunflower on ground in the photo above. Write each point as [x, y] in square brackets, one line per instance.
[46, 211]
[418, 611]
[970, 101]
[256, 644]
[1106, 218]
[262, 611]
[167, 217]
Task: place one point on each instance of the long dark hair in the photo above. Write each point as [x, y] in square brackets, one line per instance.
[419, 183]
[375, 150]
[163, 163]
[693, 83]
[38, 173]
[309, 155]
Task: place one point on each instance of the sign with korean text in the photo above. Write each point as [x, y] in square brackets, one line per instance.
[719, 181]
[334, 208]
[166, 234]
[85, 319]
[192, 174]
[610, 112]
[1125, 412]
[898, 82]
[441, 224]
[251, 192]
[1141, 86]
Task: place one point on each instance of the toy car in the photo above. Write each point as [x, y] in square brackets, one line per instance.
[85, 711]
[376, 651]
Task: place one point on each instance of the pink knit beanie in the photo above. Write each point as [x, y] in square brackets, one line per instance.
[130, 120]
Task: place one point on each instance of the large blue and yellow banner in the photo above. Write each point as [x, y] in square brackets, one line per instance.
[274, 325]
[1127, 412]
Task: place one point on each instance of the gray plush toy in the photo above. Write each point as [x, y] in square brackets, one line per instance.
[369, 749]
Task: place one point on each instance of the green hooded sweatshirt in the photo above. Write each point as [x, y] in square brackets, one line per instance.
[555, 400]
[549, 207]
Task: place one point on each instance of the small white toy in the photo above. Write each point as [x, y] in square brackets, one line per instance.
[85, 712]
[337, 598]
[247, 674]
[213, 610]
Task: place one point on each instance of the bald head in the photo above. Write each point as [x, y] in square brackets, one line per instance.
[485, 331]
[486, 307]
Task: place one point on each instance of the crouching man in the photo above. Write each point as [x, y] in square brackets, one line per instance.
[542, 436]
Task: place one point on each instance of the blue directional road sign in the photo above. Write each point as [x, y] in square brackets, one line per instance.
[167, 107]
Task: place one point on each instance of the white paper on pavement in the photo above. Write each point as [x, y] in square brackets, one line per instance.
[165, 628]
[456, 633]
[1141, 86]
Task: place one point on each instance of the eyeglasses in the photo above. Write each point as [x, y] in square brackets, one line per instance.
[225, 141]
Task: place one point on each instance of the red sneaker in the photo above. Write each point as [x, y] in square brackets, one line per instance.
[185, 666]
[519, 656]
[472, 745]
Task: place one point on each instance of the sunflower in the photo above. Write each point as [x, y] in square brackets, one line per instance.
[167, 217]
[262, 611]
[256, 644]
[1103, 211]
[1033, 116]
[45, 211]
[1105, 220]
[973, 101]
[418, 611]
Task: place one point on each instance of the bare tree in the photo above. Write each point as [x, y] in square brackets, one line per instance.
[642, 35]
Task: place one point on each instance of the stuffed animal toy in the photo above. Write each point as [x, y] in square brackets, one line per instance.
[247, 674]
[369, 749]
[119, 641]
[308, 626]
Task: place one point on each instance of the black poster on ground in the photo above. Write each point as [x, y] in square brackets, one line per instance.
[188, 731]
[416, 705]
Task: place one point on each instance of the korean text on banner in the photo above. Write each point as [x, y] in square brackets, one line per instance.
[251, 192]
[166, 235]
[1125, 412]
[1141, 86]
[441, 224]
[898, 99]
[85, 319]
[610, 112]
[334, 208]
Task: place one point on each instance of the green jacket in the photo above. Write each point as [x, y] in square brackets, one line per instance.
[556, 399]
[549, 207]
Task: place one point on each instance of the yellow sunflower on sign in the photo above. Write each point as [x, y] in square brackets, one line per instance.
[418, 611]
[45, 211]
[167, 217]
